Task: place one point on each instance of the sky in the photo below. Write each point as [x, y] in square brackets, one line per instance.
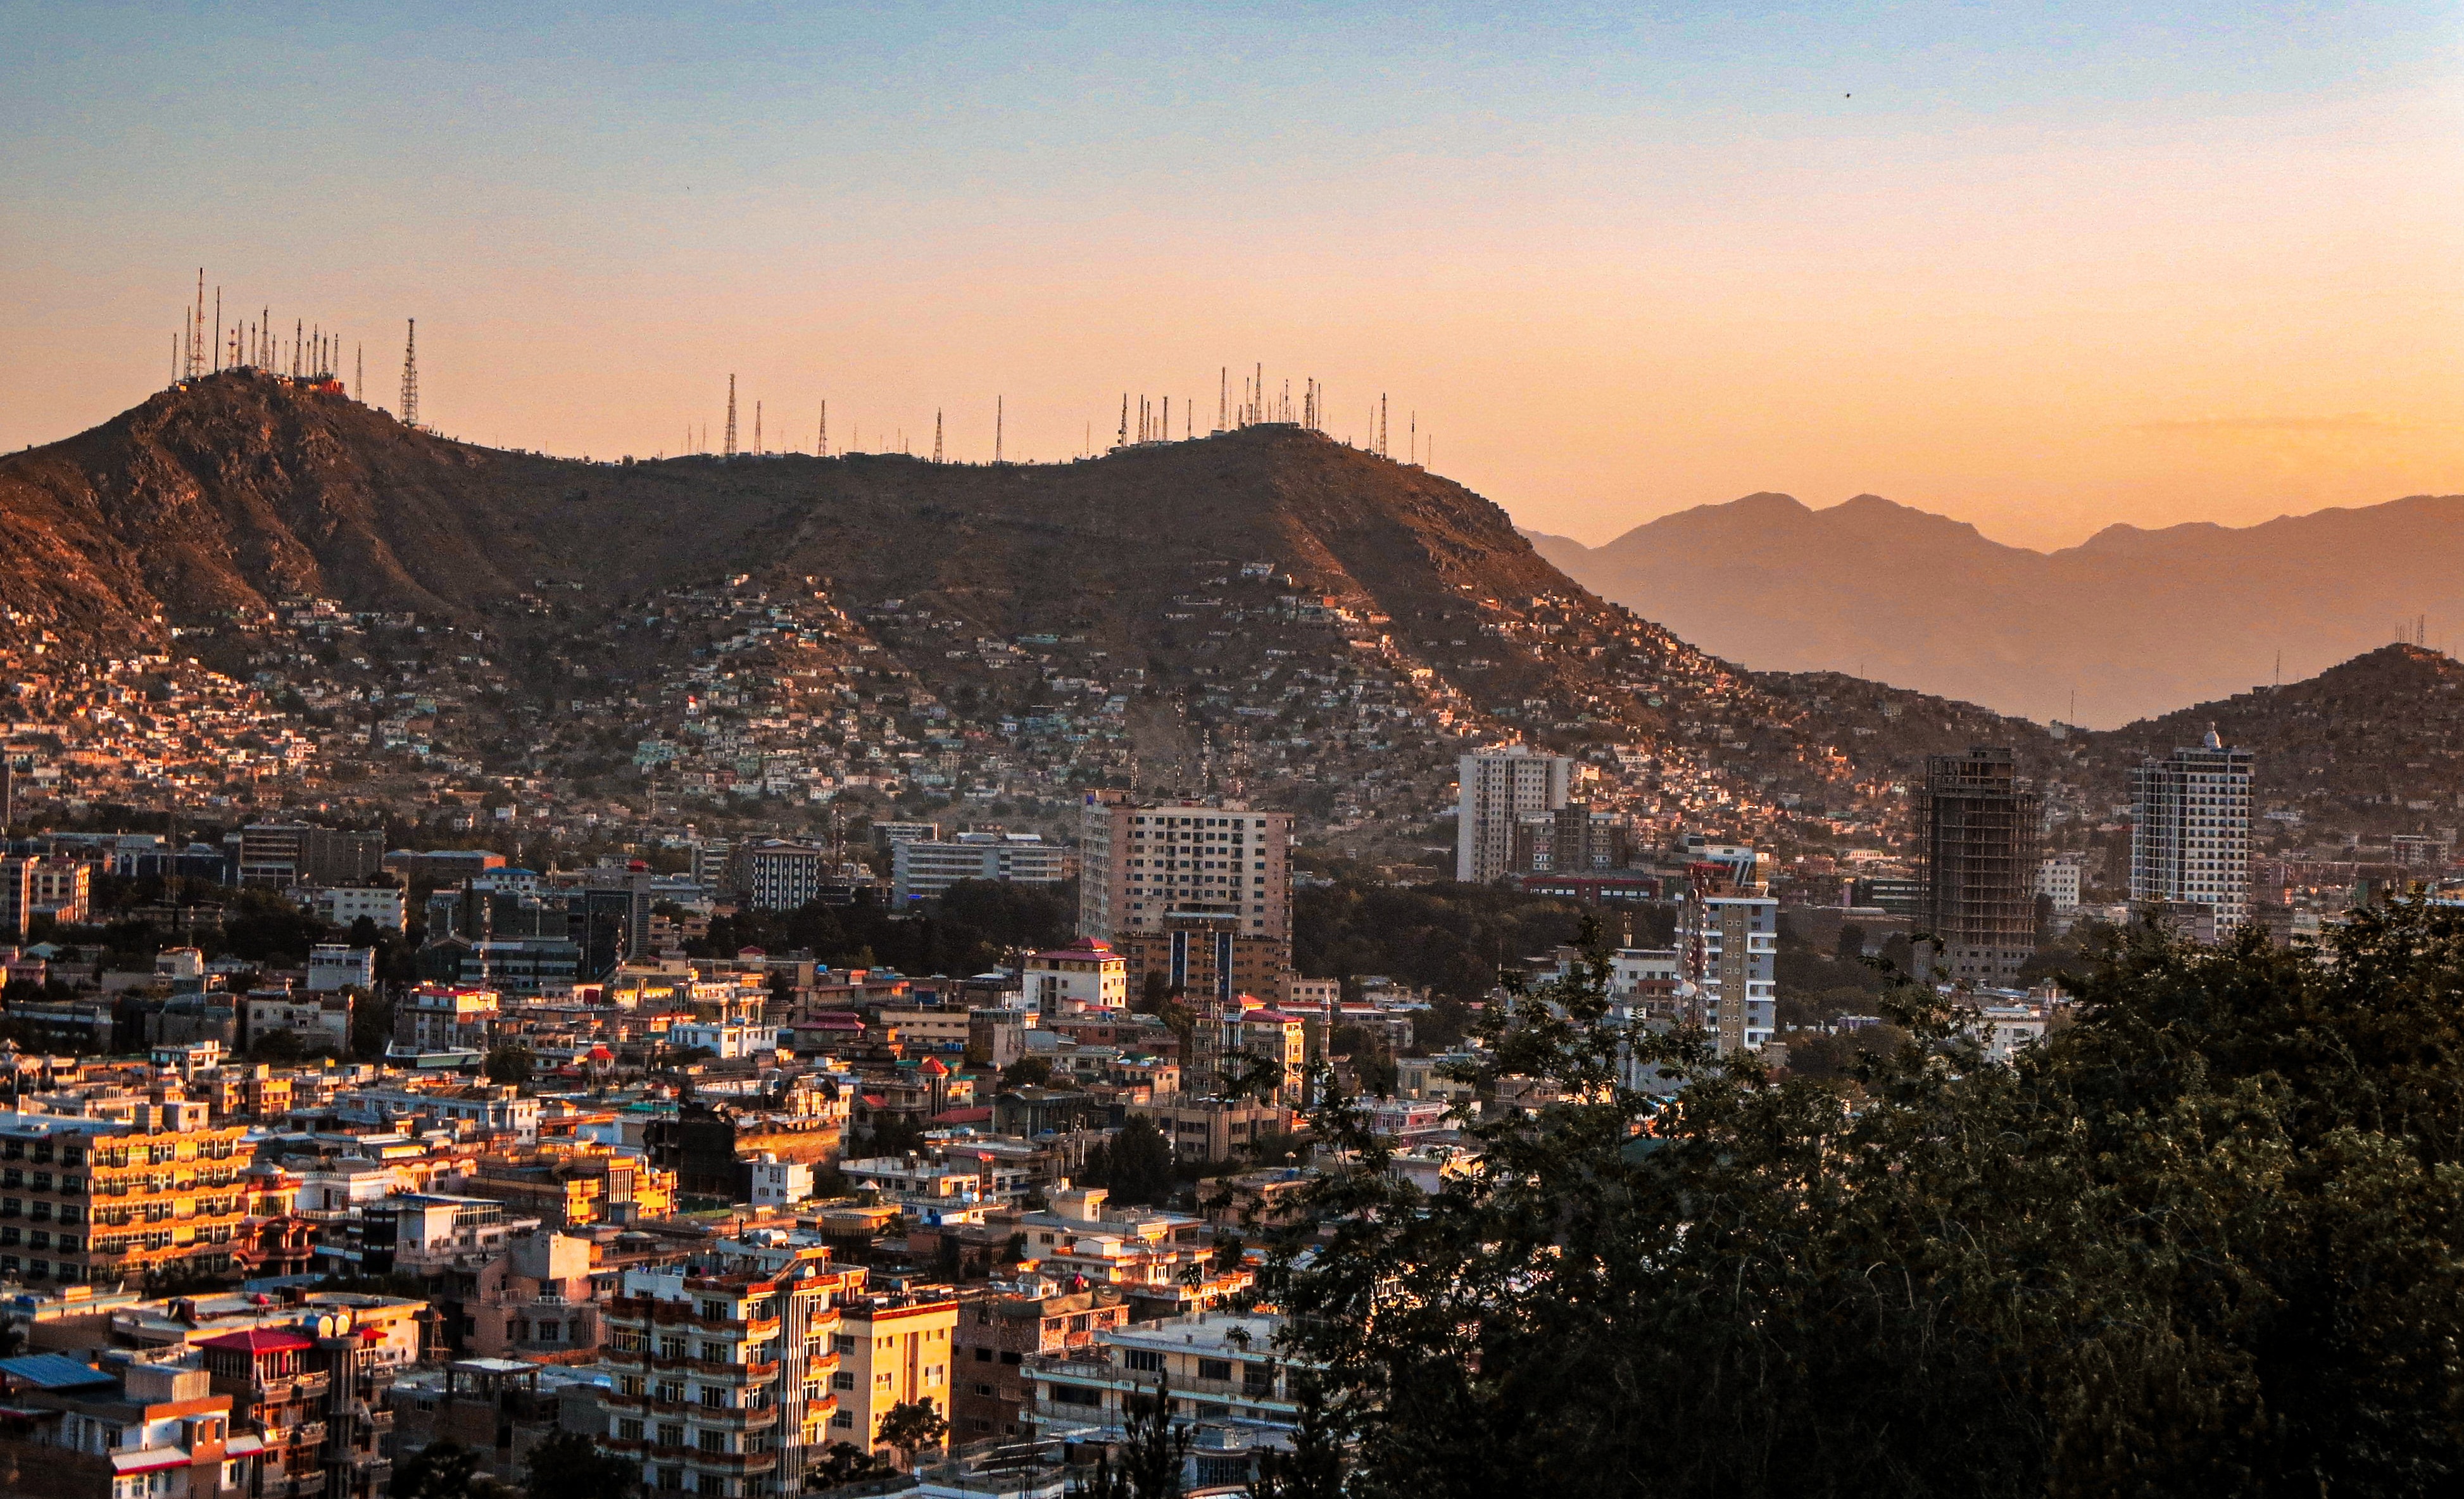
[2045, 268]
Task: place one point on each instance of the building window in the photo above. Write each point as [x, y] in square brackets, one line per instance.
[1145, 1359]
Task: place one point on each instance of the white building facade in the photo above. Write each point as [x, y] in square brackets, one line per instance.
[2189, 835]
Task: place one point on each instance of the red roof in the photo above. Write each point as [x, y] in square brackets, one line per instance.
[963, 1116]
[259, 1340]
[932, 1068]
[1270, 1017]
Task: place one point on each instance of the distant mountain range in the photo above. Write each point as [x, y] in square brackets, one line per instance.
[2137, 623]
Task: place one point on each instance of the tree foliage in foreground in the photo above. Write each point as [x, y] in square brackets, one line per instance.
[2202, 1241]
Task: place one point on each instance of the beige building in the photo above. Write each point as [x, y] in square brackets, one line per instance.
[894, 1350]
[1141, 864]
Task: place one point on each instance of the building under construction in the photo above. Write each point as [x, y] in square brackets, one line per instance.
[1977, 872]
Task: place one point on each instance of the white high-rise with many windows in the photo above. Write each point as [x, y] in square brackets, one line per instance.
[1495, 785]
[2189, 836]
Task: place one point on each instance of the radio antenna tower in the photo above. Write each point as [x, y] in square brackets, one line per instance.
[729, 452]
[757, 429]
[936, 434]
[411, 375]
[196, 339]
[1124, 437]
[997, 428]
[360, 381]
[823, 450]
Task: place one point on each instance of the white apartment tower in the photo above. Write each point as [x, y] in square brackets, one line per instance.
[1496, 786]
[2190, 838]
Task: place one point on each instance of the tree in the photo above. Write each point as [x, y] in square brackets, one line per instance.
[1027, 1072]
[1151, 1454]
[1135, 1165]
[1313, 1468]
[568, 1465]
[845, 1463]
[1851, 945]
[512, 1063]
[2203, 1240]
[438, 1470]
[911, 1427]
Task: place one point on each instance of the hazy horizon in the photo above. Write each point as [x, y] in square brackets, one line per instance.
[2041, 273]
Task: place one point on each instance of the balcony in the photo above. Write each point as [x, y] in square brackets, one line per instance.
[737, 1418]
[286, 1388]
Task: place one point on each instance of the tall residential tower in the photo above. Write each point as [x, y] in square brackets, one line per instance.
[1496, 786]
[2189, 834]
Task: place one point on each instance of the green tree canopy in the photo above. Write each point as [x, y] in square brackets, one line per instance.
[2203, 1241]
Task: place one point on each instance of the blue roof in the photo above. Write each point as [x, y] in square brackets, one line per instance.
[54, 1371]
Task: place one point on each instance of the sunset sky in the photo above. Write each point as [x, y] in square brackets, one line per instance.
[2042, 270]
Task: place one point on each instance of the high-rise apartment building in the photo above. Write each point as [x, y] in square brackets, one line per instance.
[1728, 949]
[1977, 865]
[1495, 788]
[2189, 835]
[1145, 868]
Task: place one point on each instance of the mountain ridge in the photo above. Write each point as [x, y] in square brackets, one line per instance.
[2136, 622]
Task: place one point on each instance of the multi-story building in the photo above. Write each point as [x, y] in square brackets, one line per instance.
[1229, 1036]
[63, 888]
[894, 1350]
[919, 868]
[314, 1018]
[283, 854]
[1086, 975]
[345, 905]
[1728, 949]
[1208, 956]
[1148, 866]
[154, 1190]
[779, 874]
[1001, 1330]
[16, 895]
[143, 1428]
[723, 1370]
[1978, 865]
[1226, 1367]
[444, 1017]
[2189, 835]
[338, 965]
[1494, 788]
[2059, 879]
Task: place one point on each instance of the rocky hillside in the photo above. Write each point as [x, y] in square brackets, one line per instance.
[1265, 609]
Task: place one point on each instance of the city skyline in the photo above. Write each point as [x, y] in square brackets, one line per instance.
[2039, 278]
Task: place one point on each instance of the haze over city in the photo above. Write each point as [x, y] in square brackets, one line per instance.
[2042, 272]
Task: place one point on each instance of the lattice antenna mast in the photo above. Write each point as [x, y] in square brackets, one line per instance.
[411, 375]
[196, 330]
[936, 434]
[757, 429]
[997, 428]
[823, 450]
[729, 451]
